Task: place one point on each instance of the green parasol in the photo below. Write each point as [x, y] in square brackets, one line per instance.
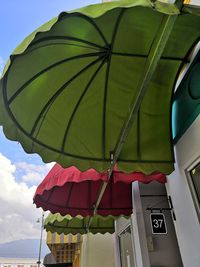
[93, 86]
[79, 225]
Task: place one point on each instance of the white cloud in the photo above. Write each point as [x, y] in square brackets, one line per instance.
[18, 214]
[34, 177]
[33, 173]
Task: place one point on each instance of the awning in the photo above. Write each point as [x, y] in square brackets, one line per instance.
[69, 191]
[56, 223]
[65, 248]
[99, 80]
[60, 238]
[79, 198]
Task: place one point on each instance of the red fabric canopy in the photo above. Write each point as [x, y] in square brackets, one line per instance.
[69, 191]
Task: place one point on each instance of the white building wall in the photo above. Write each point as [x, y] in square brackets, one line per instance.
[187, 154]
[149, 249]
[97, 251]
[139, 231]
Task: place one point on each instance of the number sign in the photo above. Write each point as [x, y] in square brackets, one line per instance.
[158, 224]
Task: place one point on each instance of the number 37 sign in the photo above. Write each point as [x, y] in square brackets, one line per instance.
[158, 224]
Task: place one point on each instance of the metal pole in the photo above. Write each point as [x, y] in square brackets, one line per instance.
[151, 64]
[40, 246]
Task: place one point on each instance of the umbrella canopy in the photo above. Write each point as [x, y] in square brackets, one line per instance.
[70, 85]
[79, 198]
[74, 225]
[69, 191]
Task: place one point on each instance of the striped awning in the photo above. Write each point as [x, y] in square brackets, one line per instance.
[54, 238]
[65, 248]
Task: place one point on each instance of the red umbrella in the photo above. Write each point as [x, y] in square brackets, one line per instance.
[70, 191]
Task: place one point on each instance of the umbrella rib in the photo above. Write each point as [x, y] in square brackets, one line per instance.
[78, 103]
[87, 18]
[138, 135]
[50, 38]
[155, 53]
[47, 106]
[49, 195]
[147, 161]
[69, 196]
[95, 26]
[45, 70]
[145, 56]
[106, 82]
[61, 43]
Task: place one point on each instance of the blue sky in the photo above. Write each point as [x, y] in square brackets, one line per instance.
[19, 18]
[20, 173]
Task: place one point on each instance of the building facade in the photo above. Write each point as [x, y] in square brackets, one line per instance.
[178, 200]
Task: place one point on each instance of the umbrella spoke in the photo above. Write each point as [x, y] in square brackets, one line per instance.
[62, 43]
[69, 195]
[138, 136]
[95, 26]
[49, 103]
[145, 56]
[51, 38]
[117, 23]
[79, 101]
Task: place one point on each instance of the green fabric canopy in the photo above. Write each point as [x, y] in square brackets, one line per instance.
[79, 225]
[68, 87]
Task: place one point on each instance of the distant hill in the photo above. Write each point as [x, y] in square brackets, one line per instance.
[26, 248]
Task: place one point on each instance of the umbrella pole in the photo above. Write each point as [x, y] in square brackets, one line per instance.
[151, 64]
[40, 247]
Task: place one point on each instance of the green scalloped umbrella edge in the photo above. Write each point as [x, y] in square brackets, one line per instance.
[78, 225]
